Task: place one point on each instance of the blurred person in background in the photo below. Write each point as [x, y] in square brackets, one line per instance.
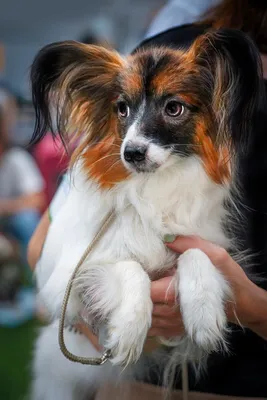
[21, 184]
[242, 372]
[21, 204]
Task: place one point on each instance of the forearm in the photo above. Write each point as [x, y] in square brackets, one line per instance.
[260, 329]
[37, 240]
[257, 311]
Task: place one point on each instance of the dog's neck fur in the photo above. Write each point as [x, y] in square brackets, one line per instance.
[179, 199]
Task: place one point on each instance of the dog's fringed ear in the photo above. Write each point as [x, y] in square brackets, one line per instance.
[77, 83]
[231, 71]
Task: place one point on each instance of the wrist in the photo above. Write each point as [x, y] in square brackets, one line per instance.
[254, 308]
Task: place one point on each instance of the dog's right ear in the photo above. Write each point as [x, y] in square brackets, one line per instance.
[230, 66]
[79, 82]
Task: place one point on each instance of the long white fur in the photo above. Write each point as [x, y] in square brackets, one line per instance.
[178, 198]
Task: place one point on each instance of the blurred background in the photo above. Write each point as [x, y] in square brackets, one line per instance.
[30, 175]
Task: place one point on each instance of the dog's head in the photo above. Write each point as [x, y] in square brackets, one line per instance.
[142, 112]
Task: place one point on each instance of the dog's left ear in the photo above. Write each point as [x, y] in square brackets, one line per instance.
[79, 81]
[231, 71]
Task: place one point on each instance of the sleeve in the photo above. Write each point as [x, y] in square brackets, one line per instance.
[178, 12]
[28, 177]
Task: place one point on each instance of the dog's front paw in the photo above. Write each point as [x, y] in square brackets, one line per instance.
[202, 292]
[127, 331]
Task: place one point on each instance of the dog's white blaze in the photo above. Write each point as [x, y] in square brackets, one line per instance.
[156, 154]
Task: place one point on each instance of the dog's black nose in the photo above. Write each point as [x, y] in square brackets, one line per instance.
[135, 154]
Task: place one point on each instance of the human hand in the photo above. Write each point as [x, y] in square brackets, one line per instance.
[243, 309]
[166, 316]
[248, 307]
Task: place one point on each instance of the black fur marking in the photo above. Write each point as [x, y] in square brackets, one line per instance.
[47, 67]
[152, 67]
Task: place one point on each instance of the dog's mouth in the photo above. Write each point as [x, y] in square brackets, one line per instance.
[146, 167]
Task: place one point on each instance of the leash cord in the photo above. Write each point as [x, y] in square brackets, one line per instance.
[70, 356]
[185, 386]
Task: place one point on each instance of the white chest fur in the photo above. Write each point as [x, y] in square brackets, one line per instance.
[180, 200]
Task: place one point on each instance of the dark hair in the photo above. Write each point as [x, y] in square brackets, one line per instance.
[89, 38]
[250, 16]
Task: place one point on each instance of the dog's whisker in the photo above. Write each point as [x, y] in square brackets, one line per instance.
[112, 166]
[104, 157]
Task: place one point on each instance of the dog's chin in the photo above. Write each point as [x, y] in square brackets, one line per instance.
[142, 168]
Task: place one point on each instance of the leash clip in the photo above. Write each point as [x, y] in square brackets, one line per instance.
[105, 357]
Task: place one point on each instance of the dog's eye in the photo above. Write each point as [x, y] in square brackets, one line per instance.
[173, 108]
[123, 109]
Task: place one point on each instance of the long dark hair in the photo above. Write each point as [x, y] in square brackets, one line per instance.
[250, 16]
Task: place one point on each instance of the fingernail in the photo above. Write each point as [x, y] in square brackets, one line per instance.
[169, 238]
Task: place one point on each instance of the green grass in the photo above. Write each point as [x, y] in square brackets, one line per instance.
[16, 346]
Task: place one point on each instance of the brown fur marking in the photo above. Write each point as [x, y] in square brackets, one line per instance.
[215, 160]
[102, 162]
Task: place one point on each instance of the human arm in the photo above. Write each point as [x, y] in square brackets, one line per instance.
[37, 240]
[250, 302]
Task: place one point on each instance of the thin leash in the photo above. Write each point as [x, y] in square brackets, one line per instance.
[70, 356]
[185, 385]
[108, 221]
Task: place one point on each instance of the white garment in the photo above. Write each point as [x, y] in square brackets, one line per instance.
[179, 12]
[19, 174]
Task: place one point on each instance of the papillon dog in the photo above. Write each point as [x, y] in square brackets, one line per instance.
[161, 134]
